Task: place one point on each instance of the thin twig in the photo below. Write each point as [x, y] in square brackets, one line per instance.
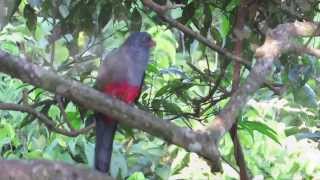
[63, 112]
[160, 10]
[44, 119]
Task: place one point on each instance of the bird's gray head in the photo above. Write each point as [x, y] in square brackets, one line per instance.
[140, 39]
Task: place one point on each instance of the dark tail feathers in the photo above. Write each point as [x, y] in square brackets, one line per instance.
[104, 141]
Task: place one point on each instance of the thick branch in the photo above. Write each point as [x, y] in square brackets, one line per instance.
[278, 41]
[41, 169]
[200, 143]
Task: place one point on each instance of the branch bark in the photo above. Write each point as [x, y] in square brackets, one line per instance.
[198, 142]
[241, 16]
[41, 169]
[278, 41]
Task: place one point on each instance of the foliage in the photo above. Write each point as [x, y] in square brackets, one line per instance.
[70, 37]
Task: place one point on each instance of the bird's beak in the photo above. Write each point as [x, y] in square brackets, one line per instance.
[152, 44]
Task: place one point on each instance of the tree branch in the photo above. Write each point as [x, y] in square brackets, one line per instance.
[277, 42]
[241, 17]
[198, 142]
[44, 119]
[41, 169]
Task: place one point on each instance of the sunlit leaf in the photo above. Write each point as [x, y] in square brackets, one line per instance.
[74, 118]
[89, 151]
[9, 47]
[262, 128]
[232, 4]
[171, 107]
[136, 176]
[183, 163]
[119, 165]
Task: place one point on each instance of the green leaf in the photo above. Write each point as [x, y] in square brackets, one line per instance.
[74, 118]
[294, 130]
[305, 96]
[232, 4]
[31, 17]
[135, 21]
[184, 163]
[63, 10]
[188, 12]
[171, 107]
[224, 27]
[6, 131]
[89, 151]
[136, 176]
[72, 146]
[163, 172]
[61, 52]
[9, 47]
[105, 14]
[260, 127]
[34, 154]
[119, 165]
[207, 20]
[162, 91]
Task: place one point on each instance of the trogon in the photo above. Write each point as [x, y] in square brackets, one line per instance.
[120, 75]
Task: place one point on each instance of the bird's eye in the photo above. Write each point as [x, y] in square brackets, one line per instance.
[147, 38]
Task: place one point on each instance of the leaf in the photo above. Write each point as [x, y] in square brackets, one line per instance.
[171, 107]
[163, 172]
[152, 68]
[187, 13]
[156, 104]
[89, 151]
[119, 165]
[105, 14]
[63, 10]
[72, 147]
[136, 176]
[260, 127]
[207, 20]
[184, 162]
[224, 27]
[37, 93]
[305, 96]
[162, 91]
[7, 9]
[6, 131]
[31, 17]
[9, 47]
[34, 154]
[232, 4]
[175, 71]
[135, 21]
[35, 2]
[61, 52]
[309, 135]
[74, 118]
[295, 130]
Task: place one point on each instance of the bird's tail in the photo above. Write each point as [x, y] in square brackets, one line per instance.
[105, 131]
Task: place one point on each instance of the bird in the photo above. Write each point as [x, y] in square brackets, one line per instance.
[121, 76]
